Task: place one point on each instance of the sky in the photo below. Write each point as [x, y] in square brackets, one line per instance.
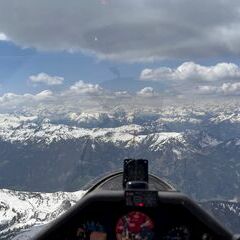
[58, 51]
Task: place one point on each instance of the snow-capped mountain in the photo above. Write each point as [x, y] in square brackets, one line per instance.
[21, 211]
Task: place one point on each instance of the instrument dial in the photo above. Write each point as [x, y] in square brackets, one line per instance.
[135, 226]
[91, 230]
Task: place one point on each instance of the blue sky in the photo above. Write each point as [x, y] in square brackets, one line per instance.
[17, 64]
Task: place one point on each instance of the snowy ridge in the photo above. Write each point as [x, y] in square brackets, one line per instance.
[24, 129]
[20, 129]
[160, 138]
[22, 210]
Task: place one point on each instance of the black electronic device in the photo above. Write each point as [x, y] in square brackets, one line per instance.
[141, 198]
[135, 170]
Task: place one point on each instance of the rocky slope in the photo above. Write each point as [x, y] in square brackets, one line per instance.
[227, 212]
[21, 211]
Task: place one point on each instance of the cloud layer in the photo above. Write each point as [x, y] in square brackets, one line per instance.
[79, 95]
[46, 79]
[225, 88]
[91, 97]
[137, 30]
[191, 71]
[13, 101]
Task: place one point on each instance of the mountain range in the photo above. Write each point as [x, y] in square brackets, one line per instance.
[195, 148]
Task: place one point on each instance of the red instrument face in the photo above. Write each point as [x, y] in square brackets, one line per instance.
[134, 225]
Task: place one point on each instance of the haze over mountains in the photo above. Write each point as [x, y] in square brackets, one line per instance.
[131, 84]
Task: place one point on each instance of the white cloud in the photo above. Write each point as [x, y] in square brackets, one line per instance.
[12, 99]
[146, 92]
[46, 94]
[207, 89]
[194, 72]
[231, 88]
[137, 30]
[225, 88]
[81, 87]
[3, 37]
[80, 95]
[46, 79]
[122, 94]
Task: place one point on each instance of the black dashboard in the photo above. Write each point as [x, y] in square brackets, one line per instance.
[109, 216]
